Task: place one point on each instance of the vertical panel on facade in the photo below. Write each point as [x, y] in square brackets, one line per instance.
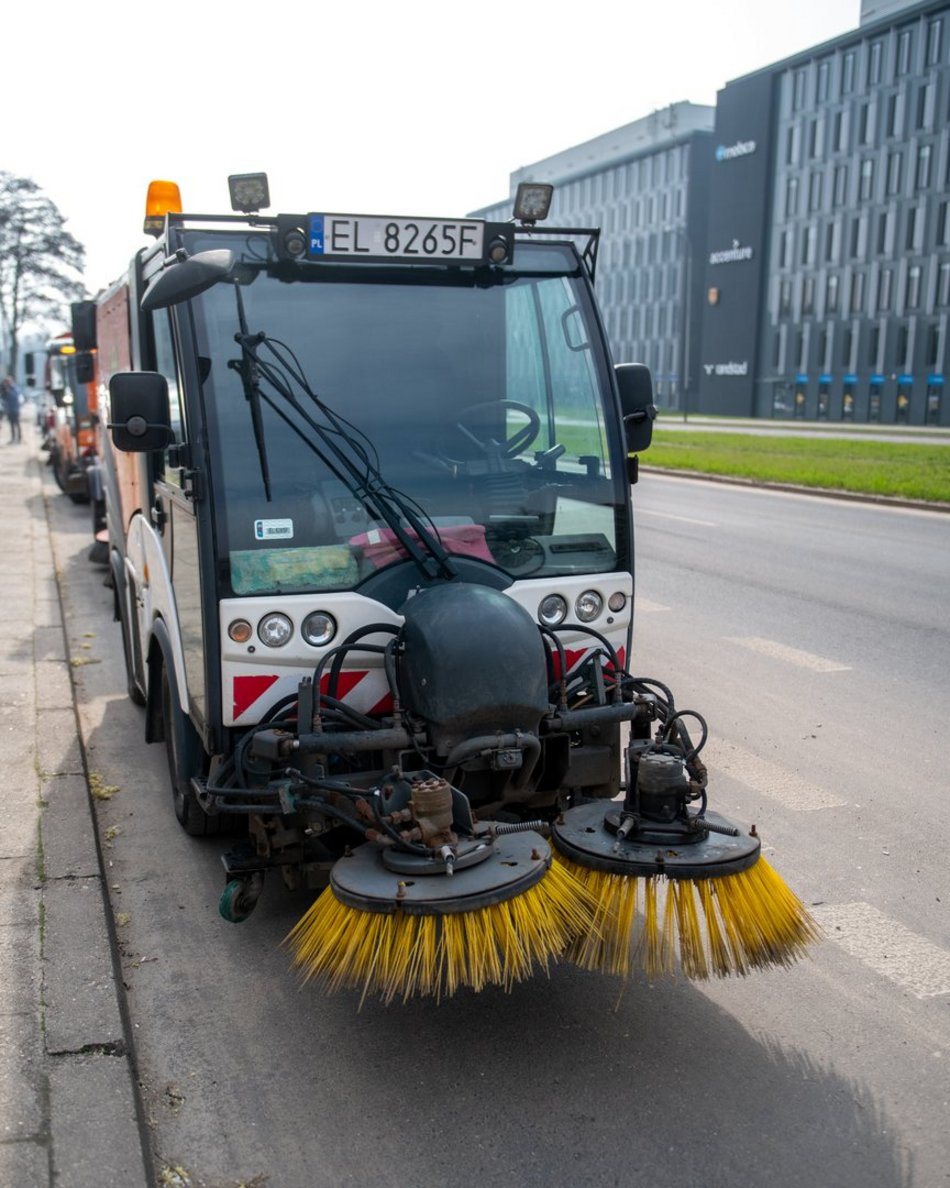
[739, 193]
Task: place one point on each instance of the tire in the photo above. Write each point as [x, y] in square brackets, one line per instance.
[58, 472]
[186, 758]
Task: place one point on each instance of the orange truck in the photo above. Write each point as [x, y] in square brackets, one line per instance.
[72, 403]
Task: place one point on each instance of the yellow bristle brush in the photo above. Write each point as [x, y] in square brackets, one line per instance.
[495, 922]
[724, 909]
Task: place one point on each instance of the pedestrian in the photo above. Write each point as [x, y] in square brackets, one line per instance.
[10, 395]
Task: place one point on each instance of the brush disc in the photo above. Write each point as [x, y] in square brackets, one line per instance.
[715, 903]
[495, 923]
[512, 865]
[582, 836]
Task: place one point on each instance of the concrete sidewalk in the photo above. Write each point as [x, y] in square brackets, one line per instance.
[69, 1112]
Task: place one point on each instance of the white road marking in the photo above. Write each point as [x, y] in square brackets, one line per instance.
[647, 607]
[779, 651]
[777, 783]
[887, 947]
[648, 511]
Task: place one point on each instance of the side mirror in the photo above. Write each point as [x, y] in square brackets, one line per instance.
[636, 405]
[83, 316]
[182, 279]
[140, 420]
[85, 368]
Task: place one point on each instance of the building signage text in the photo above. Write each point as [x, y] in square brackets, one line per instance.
[729, 152]
[731, 255]
[726, 368]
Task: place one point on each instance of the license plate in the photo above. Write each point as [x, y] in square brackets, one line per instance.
[382, 237]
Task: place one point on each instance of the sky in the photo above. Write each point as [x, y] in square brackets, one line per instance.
[412, 108]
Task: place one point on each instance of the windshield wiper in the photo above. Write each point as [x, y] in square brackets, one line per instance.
[345, 450]
[247, 368]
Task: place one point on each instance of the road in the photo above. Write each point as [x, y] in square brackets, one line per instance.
[813, 636]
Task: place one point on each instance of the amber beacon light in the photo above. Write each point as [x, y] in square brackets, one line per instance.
[163, 198]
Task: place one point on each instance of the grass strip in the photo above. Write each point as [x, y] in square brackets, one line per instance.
[897, 469]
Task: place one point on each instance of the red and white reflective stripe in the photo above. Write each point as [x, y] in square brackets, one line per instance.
[371, 697]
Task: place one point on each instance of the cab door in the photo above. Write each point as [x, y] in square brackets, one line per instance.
[173, 515]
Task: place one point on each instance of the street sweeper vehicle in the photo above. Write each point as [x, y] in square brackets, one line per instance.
[371, 538]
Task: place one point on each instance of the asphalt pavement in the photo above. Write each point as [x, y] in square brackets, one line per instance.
[70, 1114]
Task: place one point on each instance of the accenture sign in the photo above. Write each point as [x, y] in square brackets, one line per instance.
[742, 148]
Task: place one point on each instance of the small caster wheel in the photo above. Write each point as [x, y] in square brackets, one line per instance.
[240, 896]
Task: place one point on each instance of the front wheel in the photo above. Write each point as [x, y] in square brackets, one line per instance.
[186, 758]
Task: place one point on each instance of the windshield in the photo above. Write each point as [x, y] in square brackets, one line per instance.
[479, 396]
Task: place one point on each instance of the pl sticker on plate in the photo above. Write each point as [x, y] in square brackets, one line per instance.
[273, 529]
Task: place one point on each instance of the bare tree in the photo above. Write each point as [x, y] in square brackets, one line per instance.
[40, 261]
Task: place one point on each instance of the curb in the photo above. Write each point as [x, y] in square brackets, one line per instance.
[70, 1109]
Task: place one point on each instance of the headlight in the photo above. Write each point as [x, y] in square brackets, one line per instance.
[275, 630]
[588, 606]
[617, 601]
[553, 611]
[318, 628]
[240, 630]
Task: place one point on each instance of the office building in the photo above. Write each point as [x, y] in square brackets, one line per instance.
[645, 186]
[786, 253]
[828, 277]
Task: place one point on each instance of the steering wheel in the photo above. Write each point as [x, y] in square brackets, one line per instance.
[519, 440]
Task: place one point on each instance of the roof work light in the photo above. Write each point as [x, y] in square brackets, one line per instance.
[249, 192]
[533, 201]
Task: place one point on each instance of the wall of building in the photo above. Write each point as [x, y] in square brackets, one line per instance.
[788, 252]
[854, 325]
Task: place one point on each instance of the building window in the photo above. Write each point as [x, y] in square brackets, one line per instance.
[943, 225]
[841, 127]
[847, 73]
[915, 222]
[824, 73]
[785, 249]
[808, 295]
[926, 103]
[857, 292]
[831, 243]
[895, 114]
[798, 90]
[809, 244]
[875, 57]
[912, 290]
[866, 183]
[905, 44]
[874, 344]
[791, 145]
[841, 185]
[814, 191]
[933, 345]
[885, 222]
[884, 280]
[785, 297]
[934, 37]
[857, 234]
[831, 294]
[943, 285]
[815, 138]
[894, 163]
[922, 175]
[865, 124]
[903, 341]
[791, 197]
[847, 346]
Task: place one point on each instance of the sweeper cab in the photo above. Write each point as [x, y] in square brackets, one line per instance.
[371, 540]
